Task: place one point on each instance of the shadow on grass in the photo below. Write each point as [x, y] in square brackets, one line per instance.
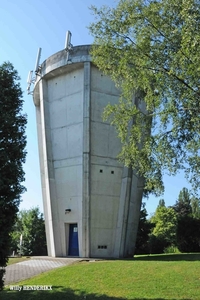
[170, 257]
[60, 293]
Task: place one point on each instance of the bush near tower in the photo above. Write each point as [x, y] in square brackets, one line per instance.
[30, 227]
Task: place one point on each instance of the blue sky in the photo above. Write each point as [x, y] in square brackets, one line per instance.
[26, 25]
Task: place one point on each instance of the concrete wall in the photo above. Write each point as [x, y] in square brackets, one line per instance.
[106, 171]
[59, 104]
[79, 168]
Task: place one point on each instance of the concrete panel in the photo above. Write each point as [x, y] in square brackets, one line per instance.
[75, 140]
[105, 180]
[105, 188]
[65, 84]
[62, 233]
[67, 141]
[74, 161]
[67, 110]
[74, 81]
[106, 173]
[74, 108]
[99, 137]
[105, 161]
[58, 113]
[101, 237]
[59, 143]
[102, 83]
[98, 104]
[104, 140]
[73, 203]
[104, 211]
[56, 88]
[68, 181]
[64, 189]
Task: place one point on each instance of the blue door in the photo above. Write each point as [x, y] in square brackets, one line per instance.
[73, 240]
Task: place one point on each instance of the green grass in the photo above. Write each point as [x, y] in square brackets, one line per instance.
[14, 260]
[156, 277]
[169, 257]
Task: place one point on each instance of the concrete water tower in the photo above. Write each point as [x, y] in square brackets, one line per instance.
[87, 194]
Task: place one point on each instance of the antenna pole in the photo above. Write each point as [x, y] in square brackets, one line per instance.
[38, 60]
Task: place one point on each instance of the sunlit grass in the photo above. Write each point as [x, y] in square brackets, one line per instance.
[150, 277]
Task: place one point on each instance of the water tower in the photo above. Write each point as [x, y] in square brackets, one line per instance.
[87, 194]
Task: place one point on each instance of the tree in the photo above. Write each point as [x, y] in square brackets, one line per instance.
[153, 47]
[151, 50]
[144, 229]
[164, 231]
[195, 204]
[29, 224]
[188, 232]
[12, 156]
[161, 203]
[183, 204]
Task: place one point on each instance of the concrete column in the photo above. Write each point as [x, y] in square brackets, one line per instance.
[45, 173]
[86, 162]
[120, 234]
[137, 186]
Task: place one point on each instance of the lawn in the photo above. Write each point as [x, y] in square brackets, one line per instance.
[163, 277]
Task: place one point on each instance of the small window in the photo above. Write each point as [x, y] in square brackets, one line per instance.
[112, 172]
[101, 171]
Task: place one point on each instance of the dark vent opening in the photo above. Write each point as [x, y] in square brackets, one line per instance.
[102, 247]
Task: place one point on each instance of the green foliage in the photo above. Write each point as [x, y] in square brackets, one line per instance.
[187, 205]
[171, 249]
[30, 224]
[165, 221]
[176, 228]
[157, 244]
[164, 231]
[144, 229]
[151, 50]
[188, 234]
[161, 203]
[12, 156]
[183, 206]
[195, 204]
